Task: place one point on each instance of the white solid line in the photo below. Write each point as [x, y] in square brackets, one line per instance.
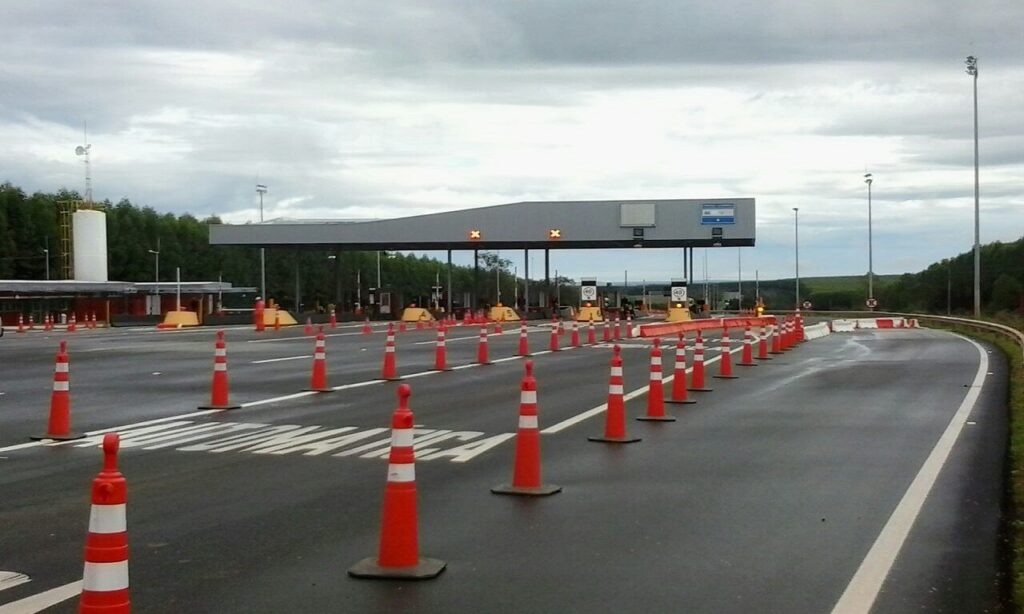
[865, 585]
[41, 601]
[287, 397]
[265, 361]
[306, 338]
[10, 579]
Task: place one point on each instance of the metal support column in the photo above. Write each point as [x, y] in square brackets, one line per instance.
[526, 280]
[547, 277]
[476, 278]
[449, 308]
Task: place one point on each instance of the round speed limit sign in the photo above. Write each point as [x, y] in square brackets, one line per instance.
[807, 304]
[872, 303]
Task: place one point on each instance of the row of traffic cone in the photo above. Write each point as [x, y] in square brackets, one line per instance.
[49, 322]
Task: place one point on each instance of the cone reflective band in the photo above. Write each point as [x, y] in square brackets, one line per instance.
[441, 351]
[219, 389]
[524, 344]
[481, 348]
[398, 557]
[747, 358]
[390, 369]
[574, 339]
[656, 389]
[629, 326]
[615, 414]
[725, 362]
[617, 330]
[762, 344]
[526, 472]
[697, 384]
[553, 346]
[591, 334]
[607, 336]
[59, 423]
[679, 375]
[318, 379]
[105, 577]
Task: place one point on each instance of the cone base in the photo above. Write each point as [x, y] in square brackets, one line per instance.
[232, 406]
[726, 376]
[775, 353]
[424, 570]
[657, 418]
[539, 491]
[318, 390]
[614, 439]
[746, 364]
[699, 389]
[763, 358]
[64, 437]
[683, 402]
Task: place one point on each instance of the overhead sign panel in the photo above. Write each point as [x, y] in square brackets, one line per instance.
[717, 214]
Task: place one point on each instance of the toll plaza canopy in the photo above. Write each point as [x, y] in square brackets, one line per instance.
[713, 222]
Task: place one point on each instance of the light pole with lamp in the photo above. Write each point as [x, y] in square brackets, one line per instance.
[871, 269]
[156, 278]
[972, 69]
[46, 251]
[796, 237]
[261, 189]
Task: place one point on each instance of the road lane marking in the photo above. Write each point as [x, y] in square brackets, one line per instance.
[267, 360]
[863, 589]
[42, 601]
[10, 579]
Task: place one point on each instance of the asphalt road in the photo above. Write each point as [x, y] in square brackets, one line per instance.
[766, 495]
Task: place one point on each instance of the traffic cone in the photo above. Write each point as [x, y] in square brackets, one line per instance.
[526, 474]
[390, 371]
[561, 328]
[219, 394]
[607, 333]
[679, 375]
[617, 329]
[725, 364]
[334, 320]
[497, 329]
[72, 323]
[615, 415]
[105, 578]
[399, 557]
[656, 390]
[441, 351]
[318, 379]
[697, 382]
[786, 337]
[92, 320]
[553, 346]
[591, 335]
[481, 349]
[800, 328]
[31, 322]
[762, 345]
[747, 358]
[524, 344]
[629, 326]
[21, 323]
[59, 425]
[776, 342]
[46, 322]
[308, 328]
[419, 324]
[258, 316]
[401, 326]
[367, 329]
[574, 338]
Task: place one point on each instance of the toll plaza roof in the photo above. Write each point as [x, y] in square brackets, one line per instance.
[74, 287]
[592, 224]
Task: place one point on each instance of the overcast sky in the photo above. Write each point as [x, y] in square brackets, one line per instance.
[350, 109]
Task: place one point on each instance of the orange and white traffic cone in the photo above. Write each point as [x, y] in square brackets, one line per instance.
[747, 358]
[334, 320]
[800, 328]
[441, 351]
[481, 349]
[629, 326]
[497, 329]
[762, 345]
[219, 389]
[617, 329]
[367, 329]
[725, 363]
[776, 342]
[419, 324]
[308, 328]
[105, 578]
[21, 323]
[697, 383]
[401, 326]
[399, 555]
[615, 415]
[318, 379]
[591, 334]
[390, 370]
[607, 336]
[46, 322]
[787, 335]
[574, 338]
[679, 375]
[31, 322]
[92, 320]
[72, 323]
[526, 474]
[59, 424]
[524, 343]
[656, 389]
[553, 346]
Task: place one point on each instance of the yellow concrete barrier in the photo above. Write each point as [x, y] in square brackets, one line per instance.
[500, 313]
[588, 313]
[270, 314]
[416, 314]
[678, 312]
[179, 319]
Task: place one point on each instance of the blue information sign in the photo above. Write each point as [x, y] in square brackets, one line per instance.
[717, 214]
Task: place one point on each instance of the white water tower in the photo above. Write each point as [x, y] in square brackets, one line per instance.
[89, 230]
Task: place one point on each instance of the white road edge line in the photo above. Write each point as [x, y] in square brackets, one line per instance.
[42, 601]
[266, 360]
[863, 589]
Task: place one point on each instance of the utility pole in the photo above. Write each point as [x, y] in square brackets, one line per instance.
[261, 189]
[972, 69]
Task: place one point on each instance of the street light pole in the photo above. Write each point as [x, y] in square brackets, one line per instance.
[972, 69]
[871, 268]
[796, 237]
[261, 189]
[156, 253]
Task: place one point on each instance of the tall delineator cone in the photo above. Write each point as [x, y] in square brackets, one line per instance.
[725, 363]
[398, 557]
[607, 335]
[308, 328]
[258, 313]
[105, 577]
[553, 346]
[219, 389]
[72, 323]
[390, 369]
[747, 357]
[679, 375]
[526, 473]
[441, 350]
[524, 344]
[591, 333]
[656, 389]
[574, 338]
[629, 326]
[615, 415]
[21, 324]
[762, 345]
[59, 424]
[776, 341]
[334, 320]
[367, 329]
[482, 355]
[617, 329]
[318, 378]
[697, 383]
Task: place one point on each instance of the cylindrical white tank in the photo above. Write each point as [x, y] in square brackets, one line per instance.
[89, 234]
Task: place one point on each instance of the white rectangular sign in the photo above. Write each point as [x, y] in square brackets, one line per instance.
[588, 293]
[678, 294]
